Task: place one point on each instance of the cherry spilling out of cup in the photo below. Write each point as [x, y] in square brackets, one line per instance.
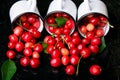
[59, 23]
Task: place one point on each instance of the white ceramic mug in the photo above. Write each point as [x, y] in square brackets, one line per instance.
[65, 6]
[90, 7]
[22, 7]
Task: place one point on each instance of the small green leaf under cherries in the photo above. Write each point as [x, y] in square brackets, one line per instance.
[60, 21]
[8, 69]
[103, 45]
[45, 45]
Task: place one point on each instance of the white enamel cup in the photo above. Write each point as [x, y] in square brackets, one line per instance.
[22, 7]
[66, 6]
[88, 7]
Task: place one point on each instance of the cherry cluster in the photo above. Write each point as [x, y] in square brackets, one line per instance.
[23, 40]
[67, 50]
[93, 23]
[59, 23]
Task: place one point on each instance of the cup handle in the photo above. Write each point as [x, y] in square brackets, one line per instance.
[32, 4]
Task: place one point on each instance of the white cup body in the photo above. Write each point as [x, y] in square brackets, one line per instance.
[22, 7]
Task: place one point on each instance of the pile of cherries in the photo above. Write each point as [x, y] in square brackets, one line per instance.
[95, 23]
[67, 50]
[23, 40]
[59, 23]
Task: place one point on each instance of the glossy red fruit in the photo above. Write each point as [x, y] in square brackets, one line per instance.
[70, 70]
[47, 38]
[96, 41]
[51, 29]
[26, 25]
[29, 44]
[58, 14]
[65, 60]
[10, 54]
[50, 49]
[19, 46]
[58, 31]
[74, 60]
[103, 19]
[71, 45]
[95, 70]
[65, 15]
[85, 41]
[80, 46]
[75, 34]
[31, 19]
[23, 18]
[83, 29]
[24, 61]
[69, 23]
[74, 51]
[99, 32]
[64, 51]
[34, 63]
[55, 53]
[35, 55]
[36, 34]
[18, 30]
[94, 49]
[38, 47]
[90, 35]
[85, 53]
[67, 38]
[66, 31]
[36, 24]
[55, 62]
[51, 41]
[51, 20]
[94, 20]
[76, 40]
[13, 38]
[60, 45]
[11, 45]
[27, 52]
[26, 36]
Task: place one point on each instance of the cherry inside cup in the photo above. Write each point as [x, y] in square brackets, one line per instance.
[95, 23]
[59, 23]
[29, 20]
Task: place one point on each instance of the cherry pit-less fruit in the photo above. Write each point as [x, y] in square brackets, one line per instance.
[23, 40]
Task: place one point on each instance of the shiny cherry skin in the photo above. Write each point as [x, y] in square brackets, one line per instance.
[65, 60]
[11, 45]
[55, 62]
[24, 61]
[85, 53]
[51, 20]
[94, 49]
[27, 52]
[74, 60]
[96, 41]
[10, 54]
[38, 47]
[13, 38]
[18, 30]
[34, 63]
[64, 51]
[70, 70]
[55, 53]
[19, 46]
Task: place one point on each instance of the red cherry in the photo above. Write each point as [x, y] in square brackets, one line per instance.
[19, 46]
[65, 15]
[51, 41]
[23, 18]
[96, 41]
[74, 51]
[10, 54]
[34, 63]
[80, 46]
[47, 38]
[29, 44]
[94, 49]
[18, 30]
[27, 51]
[74, 60]
[83, 29]
[60, 45]
[55, 62]
[26, 25]
[58, 14]
[11, 45]
[103, 19]
[65, 60]
[13, 38]
[94, 20]
[85, 41]
[36, 34]
[50, 49]
[99, 32]
[31, 19]
[58, 31]
[64, 51]
[69, 23]
[36, 24]
[51, 29]
[85, 53]
[75, 34]
[67, 38]
[26, 36]
[66, 31]
[51, 20]
[70, 70]
[24, 61]
[95, 70]
[76, 40]
[90, 35]
[36, 55]
[38, 48]
[56, 53]
[71, 45]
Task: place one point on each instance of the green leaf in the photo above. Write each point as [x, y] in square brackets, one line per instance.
[103, 45]
[45, 45]
[60, 21]
[8, 69]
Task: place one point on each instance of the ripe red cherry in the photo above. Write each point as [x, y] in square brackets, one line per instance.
[74, 51]
[28, 44]
[85, 41]
[96, 41]
[27, 51]
[55, 53]
[26, 25]
[26, 36]
[58, 14]
[94, 20]
[36, 55]
[18, 30]
[58, 31]
[23, 18]
[19, 46]
[51, 20]
[34, 63]
[38, 48]
[103, 19]
[64, 51]
[76, 40]
[55, 62]
[75, 34]
[69, 23]
[51, 41]
[50, 49]
[36, 24]
[24, 61]
[47, 38]
[66, 31]
[94, 49]
[80, 46]
[51, 29]
[65, 15]
[13, 38]
[60, 45]
[11, 45]
[10, 54]
[85, 53]
[95, 70]
[90, 35]
[65, 60]
[36, 34]
[67, 38]
[99, 32]
[31, 19]
[70, 70]
[74, 60]
[71, 45]
[83, 29]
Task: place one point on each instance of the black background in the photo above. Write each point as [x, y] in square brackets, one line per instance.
[109, 59]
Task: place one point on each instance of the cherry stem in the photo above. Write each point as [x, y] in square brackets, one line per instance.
[111, 26]
[78, 65]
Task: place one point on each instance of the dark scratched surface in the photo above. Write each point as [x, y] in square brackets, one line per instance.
[109, 59]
